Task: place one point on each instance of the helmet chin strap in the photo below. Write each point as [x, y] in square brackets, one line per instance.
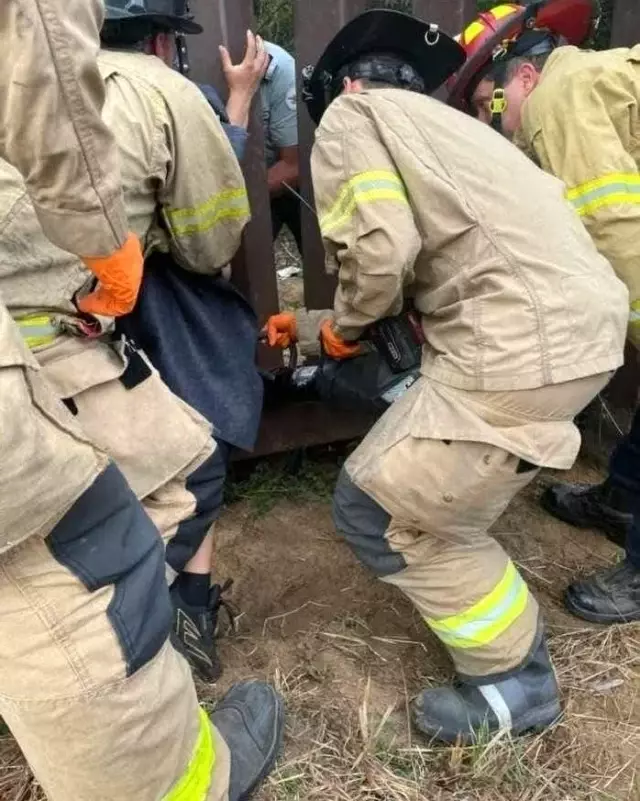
[498, 100]
[498, 107]
[183, 54]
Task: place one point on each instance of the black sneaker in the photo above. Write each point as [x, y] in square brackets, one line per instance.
[608, 596]
[195, 629]
[601, 507]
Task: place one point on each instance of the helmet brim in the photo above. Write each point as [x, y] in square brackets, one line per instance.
[178, 24]
[432, 53]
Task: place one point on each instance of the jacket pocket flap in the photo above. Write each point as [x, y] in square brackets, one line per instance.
[74, 366]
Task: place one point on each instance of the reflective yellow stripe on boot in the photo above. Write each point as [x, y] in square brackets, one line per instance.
[489, 618]
[196, 780]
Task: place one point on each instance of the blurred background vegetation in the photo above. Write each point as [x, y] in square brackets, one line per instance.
[275, 18]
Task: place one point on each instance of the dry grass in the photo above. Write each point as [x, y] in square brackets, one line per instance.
[348, 654]
[345, 752]
[16, 782]
[340, 751]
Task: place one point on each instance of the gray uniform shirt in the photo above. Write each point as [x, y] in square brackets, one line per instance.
[278, 92]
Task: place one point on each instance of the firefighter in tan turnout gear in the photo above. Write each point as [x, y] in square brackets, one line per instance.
[576, 114]
[524, 323]
[100, 703]
[187, 201]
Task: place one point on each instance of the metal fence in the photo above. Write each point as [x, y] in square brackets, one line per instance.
[316, 21]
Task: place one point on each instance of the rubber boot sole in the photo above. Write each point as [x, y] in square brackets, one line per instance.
[274, 752]
[534, 721]
[596, 617]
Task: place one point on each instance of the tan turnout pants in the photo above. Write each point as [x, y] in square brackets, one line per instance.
[101, 705]
[417, 511]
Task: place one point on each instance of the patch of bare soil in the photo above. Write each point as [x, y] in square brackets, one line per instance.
[348, 653]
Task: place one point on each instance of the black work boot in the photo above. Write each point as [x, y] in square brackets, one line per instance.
[195, 630]
[527, 701]
[600, 506]
[608, 596]
[250, 719]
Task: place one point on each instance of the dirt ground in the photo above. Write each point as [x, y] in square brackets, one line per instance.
[349, 653]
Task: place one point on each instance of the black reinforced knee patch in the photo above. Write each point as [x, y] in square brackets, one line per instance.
[364, 523]
[107, 538]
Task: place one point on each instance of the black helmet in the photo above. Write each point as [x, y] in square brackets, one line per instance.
[386, 46]
[172, 14]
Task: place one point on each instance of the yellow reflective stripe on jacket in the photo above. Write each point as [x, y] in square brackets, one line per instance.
[489, 618]
[37, 330]
[613, 189]
[367, 187]
[634, 314]
[232, 203]
[194, 784]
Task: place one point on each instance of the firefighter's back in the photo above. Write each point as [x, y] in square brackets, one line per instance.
[514, 293]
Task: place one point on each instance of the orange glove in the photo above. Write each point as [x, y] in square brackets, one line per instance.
[120, 276]
[334, 345]
[281, 330]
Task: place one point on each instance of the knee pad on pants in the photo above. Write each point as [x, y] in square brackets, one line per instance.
[363, 523]
[108, 539]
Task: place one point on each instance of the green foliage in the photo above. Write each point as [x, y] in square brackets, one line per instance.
[396, 5]
[275, 22]
[272, 482]
[602, 39]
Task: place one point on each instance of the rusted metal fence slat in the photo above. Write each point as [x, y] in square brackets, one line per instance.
[451, 15]
[226, 22]
[626, 23]
[316, 24]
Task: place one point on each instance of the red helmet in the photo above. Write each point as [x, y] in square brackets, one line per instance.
[567, 21]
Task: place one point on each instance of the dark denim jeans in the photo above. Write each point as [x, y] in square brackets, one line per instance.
[625, 473]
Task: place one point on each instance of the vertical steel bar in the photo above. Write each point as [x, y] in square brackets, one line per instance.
[626, 23]
[316, 21]
[226, 22]
[451, 15]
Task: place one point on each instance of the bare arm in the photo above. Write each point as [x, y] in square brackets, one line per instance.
[285, 171]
